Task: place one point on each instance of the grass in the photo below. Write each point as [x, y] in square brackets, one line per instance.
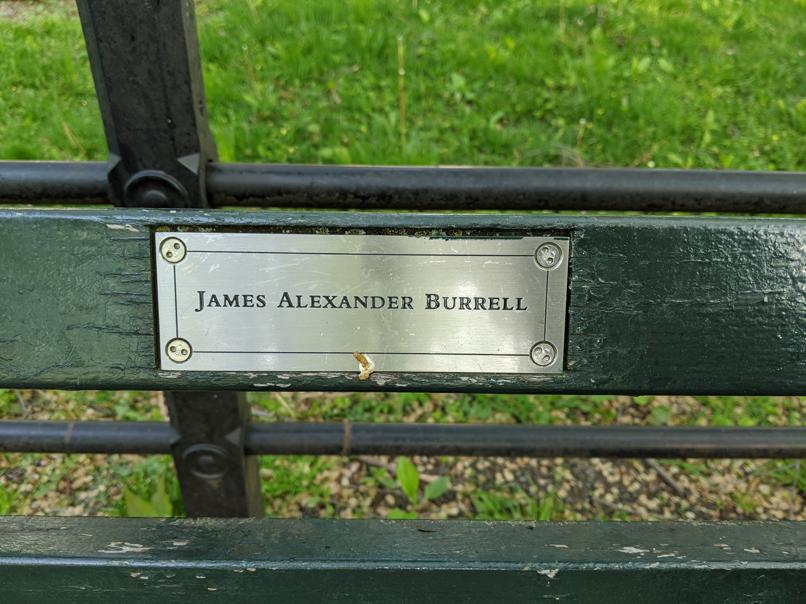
[651, 83]
[709, 84]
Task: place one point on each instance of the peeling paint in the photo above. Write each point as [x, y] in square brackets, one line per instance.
[124, 547]
[633, 550]
[123, 227]
[550, 572]
[169, 375]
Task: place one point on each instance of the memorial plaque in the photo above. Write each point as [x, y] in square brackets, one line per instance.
[344, 303]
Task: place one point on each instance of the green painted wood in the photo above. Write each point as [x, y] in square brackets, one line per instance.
[97, 559]
[656, 305]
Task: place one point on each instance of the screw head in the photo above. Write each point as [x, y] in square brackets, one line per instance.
[548, 256]
[543, 354]
[173, 250]
[178, 350]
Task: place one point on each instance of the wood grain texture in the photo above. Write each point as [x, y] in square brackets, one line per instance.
[235, 560]
[656, 305]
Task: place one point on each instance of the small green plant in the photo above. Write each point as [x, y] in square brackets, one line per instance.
[408, 479]
[151, 489]
[7, 499]
[158, 504]
[516, 505]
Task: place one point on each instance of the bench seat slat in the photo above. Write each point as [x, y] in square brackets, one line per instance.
[95, 559]
[669, 305]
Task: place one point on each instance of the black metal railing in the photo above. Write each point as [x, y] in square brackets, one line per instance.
[348, 438]
[436, 188]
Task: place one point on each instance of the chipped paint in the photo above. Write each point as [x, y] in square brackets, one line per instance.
[633, 550]
[123, 227]
[124, 547]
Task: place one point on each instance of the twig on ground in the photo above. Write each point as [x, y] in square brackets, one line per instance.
[666, 477]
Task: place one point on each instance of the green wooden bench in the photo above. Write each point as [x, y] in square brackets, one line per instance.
[652, 304]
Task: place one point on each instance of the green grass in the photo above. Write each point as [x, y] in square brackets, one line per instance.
[651, 83]
[711, 83]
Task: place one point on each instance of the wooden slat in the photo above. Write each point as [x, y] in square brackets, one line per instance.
[98, 559]
[656, 305]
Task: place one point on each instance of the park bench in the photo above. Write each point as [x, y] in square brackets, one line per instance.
[90, 299]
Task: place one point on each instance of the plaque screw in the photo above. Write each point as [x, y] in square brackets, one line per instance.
[548, 256]
[543, 354]
[178, 350]
[173, 250]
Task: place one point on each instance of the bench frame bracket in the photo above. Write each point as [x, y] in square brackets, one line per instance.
[147, 70]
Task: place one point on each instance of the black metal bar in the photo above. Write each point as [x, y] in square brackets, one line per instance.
[51, 182]
[305, 438]
[438, 188]
[216, 475]
[424, 188]
[147, 70]
[145, 438]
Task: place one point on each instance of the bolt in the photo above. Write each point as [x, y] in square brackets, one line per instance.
[206, 461]
[543, 354]
[154, 198]
[548, 256]
[154, 189]
[206, 464]
[178, 350]
[173, 250]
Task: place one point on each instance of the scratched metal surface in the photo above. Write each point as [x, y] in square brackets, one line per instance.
[306, 302]
[309, 560]
[655, 305]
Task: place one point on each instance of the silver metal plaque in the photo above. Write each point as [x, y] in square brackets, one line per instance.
[348, 303]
